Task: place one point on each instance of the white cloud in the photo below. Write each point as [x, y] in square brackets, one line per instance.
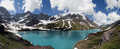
[113, 17]
[31, 5]
[100, 18]
[111, 4]
[85, 6]
[18, 6]
[18, 3]
[118, 3]
[8, 4]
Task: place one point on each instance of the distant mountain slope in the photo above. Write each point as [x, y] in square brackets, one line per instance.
[28, 18]
[4, 12]
[71, 21]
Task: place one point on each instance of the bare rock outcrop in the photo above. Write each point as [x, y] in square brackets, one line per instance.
[2, 30]
[107, 35]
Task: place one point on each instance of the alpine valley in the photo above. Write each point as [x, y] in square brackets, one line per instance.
[19, 31]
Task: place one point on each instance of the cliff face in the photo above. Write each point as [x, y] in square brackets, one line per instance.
[108, 39]
[4, 15]
[2, 29]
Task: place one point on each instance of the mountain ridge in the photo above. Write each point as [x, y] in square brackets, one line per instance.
[29, 20]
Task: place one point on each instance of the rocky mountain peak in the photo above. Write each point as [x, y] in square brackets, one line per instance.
[28, 12]
[4, 12]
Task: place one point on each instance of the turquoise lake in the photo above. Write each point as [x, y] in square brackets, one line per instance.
[57, 39]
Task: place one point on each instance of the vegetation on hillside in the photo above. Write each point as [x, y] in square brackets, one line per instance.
[114, 42]
[11, 41]
[60, 25]
[95, 40]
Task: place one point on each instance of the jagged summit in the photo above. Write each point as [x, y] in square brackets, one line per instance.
[4, 15]
[28, 12]
[64, 14]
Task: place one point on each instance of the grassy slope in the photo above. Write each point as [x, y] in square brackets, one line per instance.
[9, 44]
[95, 39]
[114, 42]
[8, 41]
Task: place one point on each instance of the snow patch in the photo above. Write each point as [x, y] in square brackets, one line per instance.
[69, 24]
[64, 14]
[27, 21]
[83, 16]
[2, 44]
[3, 17]
[89, 24]
[77, 17]
[26, 15]
[44, 14]
[75, 48]
[73, 22]
[41, 28]
[22, 20]
[56, 17]
[28, 27]
[86, 38]
[45, 21]
[82, 23]
[76, 13]
[13, 26]
[63, 23]
[108, 28]
[14, 32]
[4, 25]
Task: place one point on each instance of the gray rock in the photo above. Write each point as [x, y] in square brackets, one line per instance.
[2, 30]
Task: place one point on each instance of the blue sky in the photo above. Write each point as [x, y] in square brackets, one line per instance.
[100, 6]
[45, 9]
[101, 11]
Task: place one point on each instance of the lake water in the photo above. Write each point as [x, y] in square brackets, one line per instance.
[57, 39]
